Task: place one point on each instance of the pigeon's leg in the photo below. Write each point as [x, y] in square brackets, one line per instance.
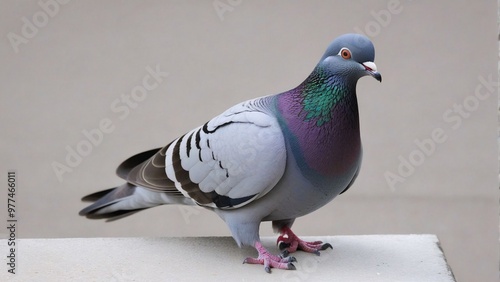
[270, 261]
[288, 242]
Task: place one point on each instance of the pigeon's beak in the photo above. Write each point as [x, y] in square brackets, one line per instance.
[371, 68]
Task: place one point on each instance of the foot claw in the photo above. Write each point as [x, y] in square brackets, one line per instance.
[326, 246]
[267, 269]
[285, 254]
[288, 259]
[283, 246]
[291, 266]
[288, 243]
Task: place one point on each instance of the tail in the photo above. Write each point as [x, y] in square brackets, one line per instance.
[125, 200]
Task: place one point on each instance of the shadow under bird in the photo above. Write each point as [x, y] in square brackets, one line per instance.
[273, 158]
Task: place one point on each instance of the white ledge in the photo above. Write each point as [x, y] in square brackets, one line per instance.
[353, 258]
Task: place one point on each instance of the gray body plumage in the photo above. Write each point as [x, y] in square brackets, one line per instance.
[268, 159]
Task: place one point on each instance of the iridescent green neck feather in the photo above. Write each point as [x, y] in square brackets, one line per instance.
[320, 95]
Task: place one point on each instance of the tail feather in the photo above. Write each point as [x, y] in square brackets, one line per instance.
[97, 195]
[104, 200]
[125, 200]
[112, 216]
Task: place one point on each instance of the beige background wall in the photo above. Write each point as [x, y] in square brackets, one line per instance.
[64, 71]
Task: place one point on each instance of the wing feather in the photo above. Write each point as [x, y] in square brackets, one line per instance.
[231, 160]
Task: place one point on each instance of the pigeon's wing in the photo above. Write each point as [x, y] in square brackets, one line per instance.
[228, 162]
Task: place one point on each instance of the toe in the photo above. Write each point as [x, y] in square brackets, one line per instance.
[271, 261]
[253, 261]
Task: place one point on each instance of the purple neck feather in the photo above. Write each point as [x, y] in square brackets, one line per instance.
[323, 129]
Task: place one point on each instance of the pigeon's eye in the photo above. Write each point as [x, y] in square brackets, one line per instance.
[345, 53]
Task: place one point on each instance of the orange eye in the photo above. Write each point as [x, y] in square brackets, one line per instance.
[345, 53]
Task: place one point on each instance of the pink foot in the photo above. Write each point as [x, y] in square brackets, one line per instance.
[289, 242]
[269, 260]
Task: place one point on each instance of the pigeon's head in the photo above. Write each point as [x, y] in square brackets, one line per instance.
[352, 56]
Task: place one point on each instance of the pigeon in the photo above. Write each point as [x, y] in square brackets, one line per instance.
[273, 158]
